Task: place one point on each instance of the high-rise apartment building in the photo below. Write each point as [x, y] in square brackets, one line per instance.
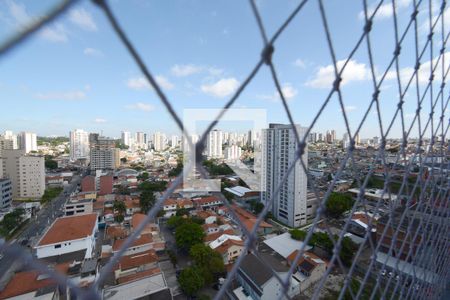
[79, 145]
[104, 155]
[5, 193]
[175, 141]
[233, 152]
[139, 138]
[214, 144]
[26, 172]
[159, 141]
[278, 152]
[9, 135]
[126, 138]
[28, 141]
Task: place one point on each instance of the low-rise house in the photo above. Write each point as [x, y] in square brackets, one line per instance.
[141, 244]
[69, 234]
[143, 285]
[79, 207]
[208, 216]
[135, 263]
[210, 228]
[214, 236]
[230, 250]
[249, 220]
[32, 285]
[207, 202]
[170, 207]
[310, 268]
[258, 282]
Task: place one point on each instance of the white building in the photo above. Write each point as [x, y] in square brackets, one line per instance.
[233, 152]
[67, 235]
[126, 136]
[278, 152]
[214, 144]
[159, 141]
[79, 145]
[28, 141]
[175, 141]
[9, 135]
[27, 173]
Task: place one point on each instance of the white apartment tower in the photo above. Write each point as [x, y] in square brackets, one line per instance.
[159, 141]
[126, 138]
[175, 141]
[233, 152]
[26, 172]
[28, 141]
[79, 145]
[278, 152]
[214, 144]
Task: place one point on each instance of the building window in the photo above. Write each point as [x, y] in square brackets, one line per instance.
[57, 246]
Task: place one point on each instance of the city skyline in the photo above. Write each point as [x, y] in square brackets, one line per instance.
[118, 96]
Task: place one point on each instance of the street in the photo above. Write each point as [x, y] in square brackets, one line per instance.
[36, 227]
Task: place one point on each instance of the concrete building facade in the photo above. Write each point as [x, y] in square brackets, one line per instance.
[27, 173]
[79, 145]
[214, 144]
[5, 193]
[279, 148]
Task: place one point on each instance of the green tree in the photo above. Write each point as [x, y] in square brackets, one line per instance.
[146, 201]
[208, 261]
[177, 170]
[338, 203]
[322, 240]
[182, 212]
[191, 281]
[348, 249]
[256, 206]
[122, 190]
[298, 234]
[189, 234]
[51, 193]
[50, 163]
[119, 207]
[12, 219]
[144, 176]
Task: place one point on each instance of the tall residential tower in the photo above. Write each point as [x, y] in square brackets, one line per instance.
[278, 152]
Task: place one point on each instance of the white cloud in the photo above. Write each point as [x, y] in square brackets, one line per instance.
[141, 83]
[92, 52]
[138, 83]
[325, 76]
[185, 70]
[83, 19]
[55, 33]
[20, 18]
[385, 11]
[423, 73]
[349, 108]
[140, 106]
[221, 88]
[100, 120]
[164, 82]
[289, 92]
[68, 95]
[300, 63]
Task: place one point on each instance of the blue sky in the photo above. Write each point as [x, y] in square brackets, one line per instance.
[76, 74]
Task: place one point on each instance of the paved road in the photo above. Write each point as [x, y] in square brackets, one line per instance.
[36, 226]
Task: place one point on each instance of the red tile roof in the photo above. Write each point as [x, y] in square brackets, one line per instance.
[214, 236]
[69, 228]
[227, 244]
[142, 240]
[137, 260]
[27, 282]
[139, 275]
